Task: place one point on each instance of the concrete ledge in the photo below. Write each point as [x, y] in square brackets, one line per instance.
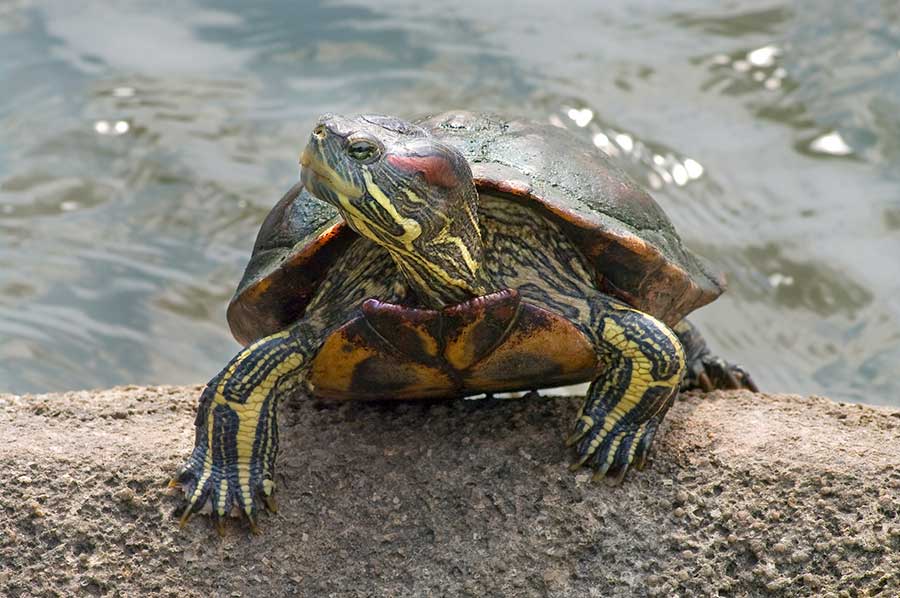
[747, 495]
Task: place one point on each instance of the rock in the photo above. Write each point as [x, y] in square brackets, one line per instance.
[747, 494]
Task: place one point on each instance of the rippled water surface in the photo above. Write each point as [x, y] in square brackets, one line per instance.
[142, 143]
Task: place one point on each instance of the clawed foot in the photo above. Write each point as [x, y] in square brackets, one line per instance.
[709, 372]
[611, 452]
[217, 489]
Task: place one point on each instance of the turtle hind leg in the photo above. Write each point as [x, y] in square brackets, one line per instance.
[643, 365]
[705, 370]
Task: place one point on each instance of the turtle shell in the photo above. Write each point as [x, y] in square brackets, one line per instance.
[636, 253]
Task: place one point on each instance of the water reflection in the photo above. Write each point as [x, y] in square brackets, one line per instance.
[745, 70]
[809, 286]
[830, 143]
[142, 146]
[652, 163]
[105, 127]
[737, 22]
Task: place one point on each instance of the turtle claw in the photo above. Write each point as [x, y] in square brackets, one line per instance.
[616, 477]
[582, 426]
[220, 526]
[254, 528]
[746, 379]
[612, 453]
[731, 382]
[216, 488]
[640, 462]
[270, 503]
[708, 372]
[185, 517]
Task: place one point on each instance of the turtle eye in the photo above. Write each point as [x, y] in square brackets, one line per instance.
[362, 150]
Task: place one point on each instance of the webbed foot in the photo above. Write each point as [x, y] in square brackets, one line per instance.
[216, 489]
[643, 366]
[708, 372]
[611, 450]
[705, 370]
[231, 469]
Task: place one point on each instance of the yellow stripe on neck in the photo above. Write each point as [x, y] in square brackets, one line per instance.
[411, 229]
[403, 251]
[445, 237]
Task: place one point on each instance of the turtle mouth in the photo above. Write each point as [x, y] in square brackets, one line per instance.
[322, 180]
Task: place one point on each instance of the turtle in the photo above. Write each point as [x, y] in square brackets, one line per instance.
[457, 255]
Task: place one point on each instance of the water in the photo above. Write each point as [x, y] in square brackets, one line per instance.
[142, 143]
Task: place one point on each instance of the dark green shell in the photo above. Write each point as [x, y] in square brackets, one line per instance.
[636, 252]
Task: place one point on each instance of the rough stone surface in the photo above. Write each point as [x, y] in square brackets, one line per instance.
[747, 495]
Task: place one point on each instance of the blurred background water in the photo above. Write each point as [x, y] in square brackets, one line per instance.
[142, 143]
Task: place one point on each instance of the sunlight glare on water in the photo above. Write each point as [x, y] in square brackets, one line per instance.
[143, 143]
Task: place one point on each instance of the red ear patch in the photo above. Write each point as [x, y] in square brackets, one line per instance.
[437, 170]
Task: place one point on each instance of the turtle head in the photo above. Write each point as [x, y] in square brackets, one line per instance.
[395, 184]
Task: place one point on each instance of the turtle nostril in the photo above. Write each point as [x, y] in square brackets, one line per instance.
[320, 132]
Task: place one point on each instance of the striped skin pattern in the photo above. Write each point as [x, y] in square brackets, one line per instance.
[232, 465]
[236, 442]
[427, 242]
[385, 201]
[643, 360]
[624, 405]
[419, 203]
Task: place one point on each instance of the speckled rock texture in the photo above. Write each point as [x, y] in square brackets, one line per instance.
[748, 495]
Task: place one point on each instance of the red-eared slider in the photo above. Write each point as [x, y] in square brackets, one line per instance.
[460, 255]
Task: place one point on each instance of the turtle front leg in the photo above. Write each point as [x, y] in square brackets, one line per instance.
[705, 370]
[236, 443]
[643, 365]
